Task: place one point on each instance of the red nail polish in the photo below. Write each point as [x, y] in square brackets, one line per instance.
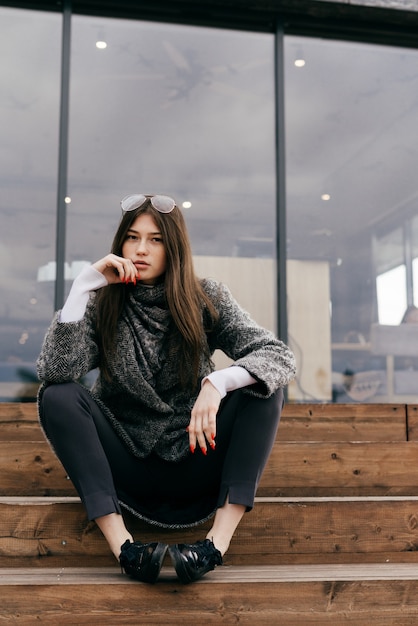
[212, 445]
[192, 449]
[204, 451]
[213, 435]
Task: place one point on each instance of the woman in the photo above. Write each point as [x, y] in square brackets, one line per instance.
[160, 434]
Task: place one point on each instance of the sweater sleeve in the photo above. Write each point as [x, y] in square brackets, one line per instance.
[265, 357]
[69, 350]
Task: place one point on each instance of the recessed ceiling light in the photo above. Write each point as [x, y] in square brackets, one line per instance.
[300, 62]
[186, 205]
[101, 45]
[325, 196]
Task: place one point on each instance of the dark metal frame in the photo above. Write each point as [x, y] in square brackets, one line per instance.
[281, 236]
[336, 19]
[63, 156]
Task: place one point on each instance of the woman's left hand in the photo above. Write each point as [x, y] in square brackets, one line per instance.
[202, 427]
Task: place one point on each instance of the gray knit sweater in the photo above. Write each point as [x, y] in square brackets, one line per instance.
[144, 401]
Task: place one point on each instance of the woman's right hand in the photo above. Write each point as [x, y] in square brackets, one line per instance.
[202, 425]
[117, 269]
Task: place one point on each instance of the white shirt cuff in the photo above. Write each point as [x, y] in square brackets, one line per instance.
[88, 280]
[229, 379]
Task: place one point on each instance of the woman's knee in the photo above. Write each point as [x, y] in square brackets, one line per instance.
[57, 394]
[57, 401]
[271, 407]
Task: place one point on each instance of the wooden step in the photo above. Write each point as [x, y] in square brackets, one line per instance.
[333, 537]
[277, 531]
[297, 595]
[294, 469]
[345, 422]
[299, 422]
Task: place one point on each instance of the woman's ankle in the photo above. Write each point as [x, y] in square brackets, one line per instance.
[224, 525]
[114, 530]
[117, 544]
[220, 544]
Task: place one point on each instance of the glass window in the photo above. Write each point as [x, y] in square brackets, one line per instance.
[184, 111]
[29, 104]
[351, 162]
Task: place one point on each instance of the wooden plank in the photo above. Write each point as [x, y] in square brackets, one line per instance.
[343, 422]
[225, 574]
[293, 469]
[19, 422]
[341, 469]
[221, 597]
[300, 422]
[31, 468]
[21, 431]
[27, 411]
[108, 560]
[278, 527]
[18, 412]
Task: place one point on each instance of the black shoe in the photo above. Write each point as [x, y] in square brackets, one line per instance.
[192, 561]
[142, 561]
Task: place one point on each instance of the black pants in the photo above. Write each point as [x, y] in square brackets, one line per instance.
[169, 494]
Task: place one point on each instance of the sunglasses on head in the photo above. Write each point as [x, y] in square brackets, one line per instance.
[162, 204]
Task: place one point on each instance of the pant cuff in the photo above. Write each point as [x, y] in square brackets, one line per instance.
[237, 493]
[99, 504]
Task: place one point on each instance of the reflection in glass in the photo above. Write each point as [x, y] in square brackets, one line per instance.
[351, 163]
[182, 111]
[29, 105]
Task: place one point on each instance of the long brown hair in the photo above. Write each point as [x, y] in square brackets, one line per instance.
[185, 296]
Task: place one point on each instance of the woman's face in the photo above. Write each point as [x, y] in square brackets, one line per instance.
[145, 247]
